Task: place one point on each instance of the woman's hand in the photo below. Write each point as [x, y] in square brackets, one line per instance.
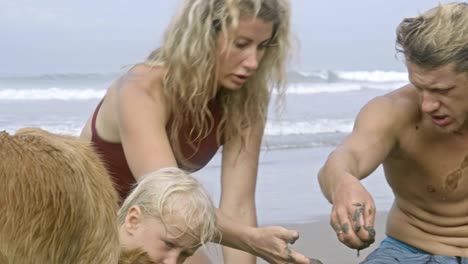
[272, 244]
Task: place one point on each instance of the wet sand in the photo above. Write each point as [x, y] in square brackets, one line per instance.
[318, 240]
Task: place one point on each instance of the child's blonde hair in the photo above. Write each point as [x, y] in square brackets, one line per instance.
[172, 192]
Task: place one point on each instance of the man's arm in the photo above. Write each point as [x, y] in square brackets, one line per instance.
[373, 137]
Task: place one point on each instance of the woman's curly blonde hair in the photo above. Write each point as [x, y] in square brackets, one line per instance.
[188, 54]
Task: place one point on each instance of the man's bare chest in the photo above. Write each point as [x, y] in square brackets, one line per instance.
[437, 169]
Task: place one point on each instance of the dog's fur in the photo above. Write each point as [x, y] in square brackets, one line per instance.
[57, 202]
[134, 256]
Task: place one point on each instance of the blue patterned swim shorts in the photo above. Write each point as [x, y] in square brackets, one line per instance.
[394, 251]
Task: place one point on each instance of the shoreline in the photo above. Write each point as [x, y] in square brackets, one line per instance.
[318, 240]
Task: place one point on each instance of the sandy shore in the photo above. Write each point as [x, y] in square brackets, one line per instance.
[287, 176]
[319, 241]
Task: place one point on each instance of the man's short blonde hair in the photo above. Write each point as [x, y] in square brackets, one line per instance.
[436, 38]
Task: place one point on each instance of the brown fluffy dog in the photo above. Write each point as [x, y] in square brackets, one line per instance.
[57, 202]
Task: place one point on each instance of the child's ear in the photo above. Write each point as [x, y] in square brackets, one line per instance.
[133, 219]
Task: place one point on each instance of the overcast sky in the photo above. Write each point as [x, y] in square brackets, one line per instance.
[92, 36]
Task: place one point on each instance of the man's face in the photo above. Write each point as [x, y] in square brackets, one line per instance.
[443, 95]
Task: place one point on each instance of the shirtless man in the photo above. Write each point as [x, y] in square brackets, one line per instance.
[420, 135]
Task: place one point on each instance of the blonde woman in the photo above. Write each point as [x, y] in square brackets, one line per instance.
[207, 86]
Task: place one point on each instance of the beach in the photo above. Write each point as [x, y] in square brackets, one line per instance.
[319, 241]
[319, 110]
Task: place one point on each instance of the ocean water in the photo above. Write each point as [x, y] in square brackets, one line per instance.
[318, 113]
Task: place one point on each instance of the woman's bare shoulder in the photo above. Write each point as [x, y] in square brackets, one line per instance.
[141, 90]
[140, 79]
[142, 69]
[144, 75]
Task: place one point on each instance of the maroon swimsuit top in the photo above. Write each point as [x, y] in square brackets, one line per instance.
[113, 156]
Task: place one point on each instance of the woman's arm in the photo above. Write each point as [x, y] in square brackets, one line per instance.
[237, 214]
[239, 177]
[142, 115]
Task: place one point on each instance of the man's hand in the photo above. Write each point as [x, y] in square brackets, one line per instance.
[353, 214]
[272, 244]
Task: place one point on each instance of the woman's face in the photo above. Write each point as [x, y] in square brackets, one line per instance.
[164, 245]
[240, 60]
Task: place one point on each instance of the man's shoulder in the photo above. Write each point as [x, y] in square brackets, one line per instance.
[398, 109]
[404, 103]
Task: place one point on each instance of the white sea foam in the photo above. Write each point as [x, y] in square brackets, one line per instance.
[378, 76]
[52, 93]
[340, 87]
[284, 128]
[373, 76]
[273, 128]
[92, 86]
[55, 93]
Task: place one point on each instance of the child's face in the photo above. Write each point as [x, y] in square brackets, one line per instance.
[164, 245]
